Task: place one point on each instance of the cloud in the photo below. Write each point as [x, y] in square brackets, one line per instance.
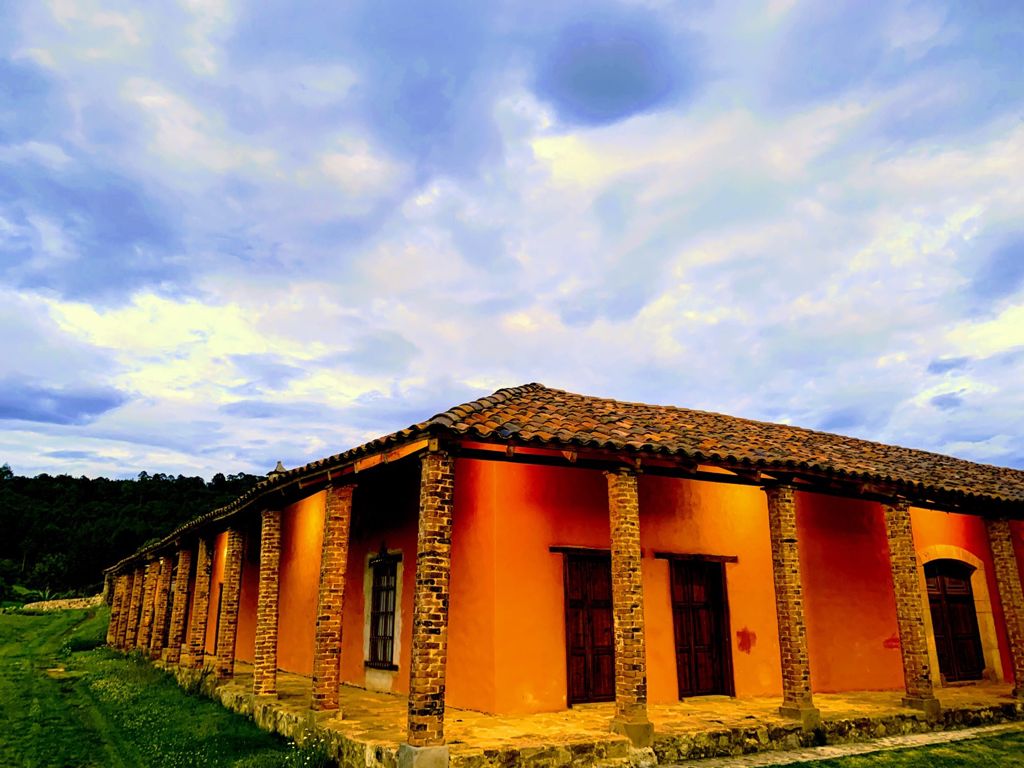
[1002, 274]
[948, 364]
[613, 63]
[22, 400]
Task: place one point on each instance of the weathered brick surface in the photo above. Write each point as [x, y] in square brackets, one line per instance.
[228, 630]
[148, 593]
[430, 612]
[1011, 596]
[264, 672]
[163, 593]
[130, 605]
[333, 564]
[627, 598]
[200, 607]
[116, 607]
[906, 582]
[179, 605]
[789, 599]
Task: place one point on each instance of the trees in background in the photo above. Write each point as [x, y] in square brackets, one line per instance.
[58, 533]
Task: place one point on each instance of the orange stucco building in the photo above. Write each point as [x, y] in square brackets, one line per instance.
[537, 549]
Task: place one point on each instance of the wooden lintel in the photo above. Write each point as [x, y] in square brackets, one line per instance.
[693, 556]
[572, 550]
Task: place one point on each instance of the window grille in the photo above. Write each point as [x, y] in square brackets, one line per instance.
[383, 595]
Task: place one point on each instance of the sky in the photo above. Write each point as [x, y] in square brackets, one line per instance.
[233, 233]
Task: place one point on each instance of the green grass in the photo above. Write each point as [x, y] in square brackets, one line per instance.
[1006, 750]
[67, 701]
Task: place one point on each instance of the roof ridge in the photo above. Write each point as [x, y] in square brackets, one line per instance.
[456, 413]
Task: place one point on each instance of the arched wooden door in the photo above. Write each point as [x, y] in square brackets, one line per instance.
[954, 620]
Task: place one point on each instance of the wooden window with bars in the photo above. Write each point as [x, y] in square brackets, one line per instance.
[383, 603]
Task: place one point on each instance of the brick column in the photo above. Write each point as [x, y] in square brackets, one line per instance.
[264, 672]
[200, 607]
[333, 563]
[163, 593]
[122, 619]
[1011, 595]
[179, 605]
[797, 702]
[628, 610]
[910, 602]
[425, 734]
[116, 607]
[228, 629]
[148, 593]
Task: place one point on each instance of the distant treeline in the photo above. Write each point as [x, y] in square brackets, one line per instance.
[58, 533]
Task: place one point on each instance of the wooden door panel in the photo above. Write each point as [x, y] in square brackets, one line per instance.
[590, 634]
[703, 664]
[954, 620]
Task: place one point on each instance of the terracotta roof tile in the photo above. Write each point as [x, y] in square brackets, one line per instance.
[537, 413]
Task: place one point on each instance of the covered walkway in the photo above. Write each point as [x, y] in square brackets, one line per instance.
[372, 724]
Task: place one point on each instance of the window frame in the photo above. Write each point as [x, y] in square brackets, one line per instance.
[383, 573]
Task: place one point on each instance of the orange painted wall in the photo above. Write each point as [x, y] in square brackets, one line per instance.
[852, 633]
[694, 517]
[216, 579]
[967, 532]
[245, 640]
[472, 607]
[518, 512]
[385, 511]
[302, 533]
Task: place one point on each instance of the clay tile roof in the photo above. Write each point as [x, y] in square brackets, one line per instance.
[537, 413]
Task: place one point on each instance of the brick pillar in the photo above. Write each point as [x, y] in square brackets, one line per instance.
[160, 598]
[425, 734]
[264, 672]
[628, 610]
[333, 564]
[175, 633]
[797, 702]
[910, 602]
[148, 593]
[200, 607]
[1011, 595]
[116, 607]
[228, 629]
[122, 619]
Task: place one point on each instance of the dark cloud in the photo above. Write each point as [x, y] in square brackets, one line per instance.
[22, 400]
[1002, 273]
[614, 63]
[266, 371]
[947, 364]
[112, 236]
[947, 401]
[71, 454]
[376, 352]
[962, 77]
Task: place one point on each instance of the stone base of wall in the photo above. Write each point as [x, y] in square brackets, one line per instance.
[68, 604]
[299, 722]
[737, 741]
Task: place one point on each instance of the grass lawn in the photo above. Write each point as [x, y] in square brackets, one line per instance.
[66, 701]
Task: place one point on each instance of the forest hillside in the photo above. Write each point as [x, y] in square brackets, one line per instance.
[60, 532]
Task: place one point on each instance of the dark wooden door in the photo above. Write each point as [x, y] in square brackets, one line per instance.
[703, 655]
[954, 620]
[589, 634]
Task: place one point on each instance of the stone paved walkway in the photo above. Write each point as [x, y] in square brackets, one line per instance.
[847, 750]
